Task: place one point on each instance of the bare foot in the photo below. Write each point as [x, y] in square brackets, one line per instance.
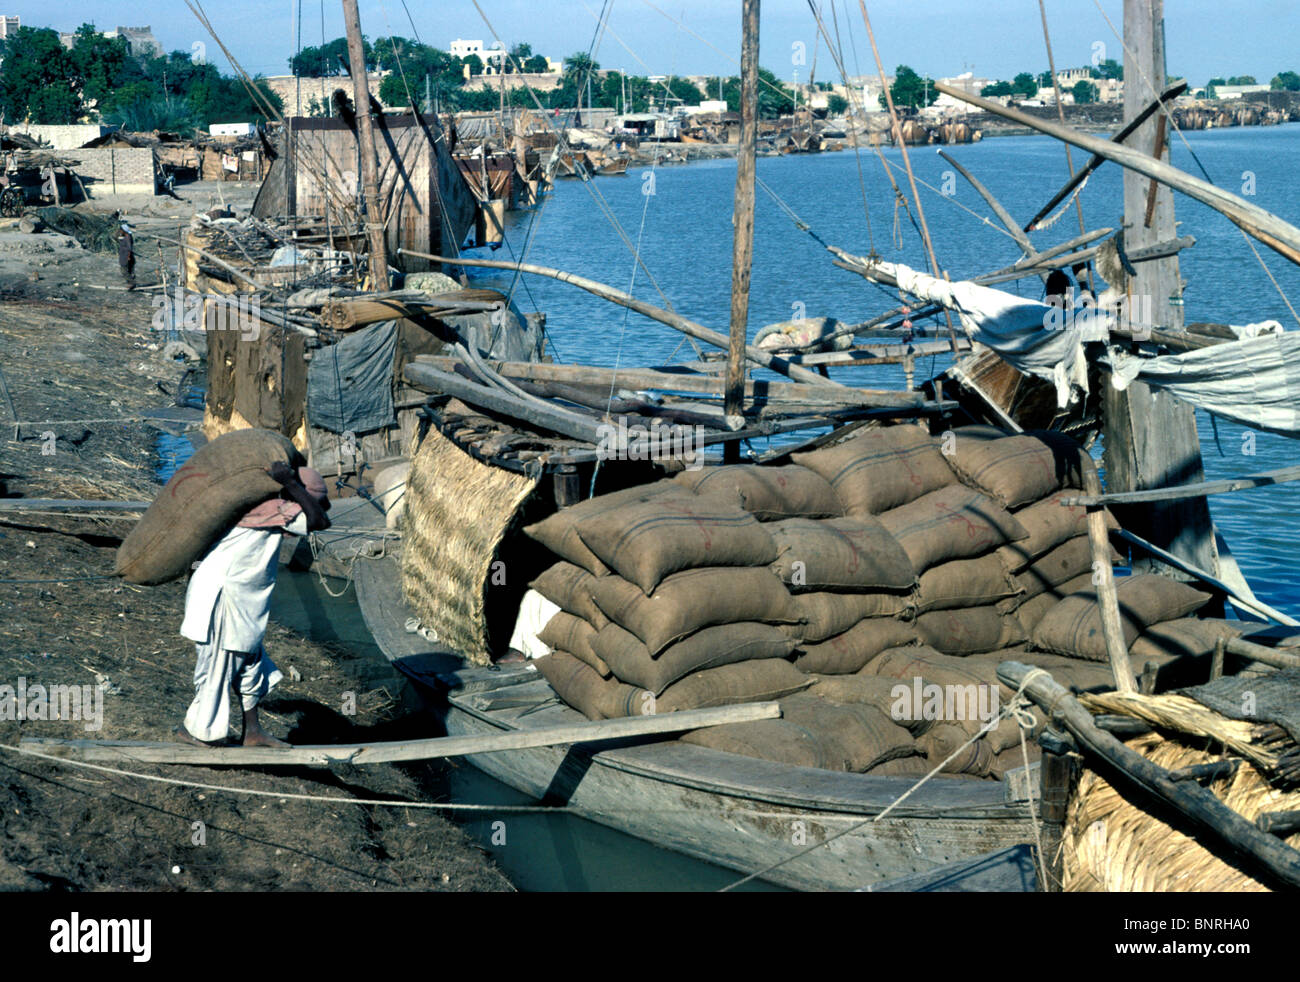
[260, 738]
[512, 657]
[185, 736]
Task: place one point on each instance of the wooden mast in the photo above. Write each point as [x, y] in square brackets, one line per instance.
[743, 220]
[366, 136]
[1150, 438]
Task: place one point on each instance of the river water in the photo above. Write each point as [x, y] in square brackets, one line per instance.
[680, 217]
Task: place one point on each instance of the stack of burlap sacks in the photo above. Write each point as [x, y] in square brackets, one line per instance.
[844, 585]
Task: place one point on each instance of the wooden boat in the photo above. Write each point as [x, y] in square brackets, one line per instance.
[738, 812]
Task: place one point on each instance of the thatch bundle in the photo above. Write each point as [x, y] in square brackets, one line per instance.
[1112, 844]
[458, 513]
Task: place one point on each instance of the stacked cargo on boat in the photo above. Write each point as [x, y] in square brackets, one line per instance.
[871, 587]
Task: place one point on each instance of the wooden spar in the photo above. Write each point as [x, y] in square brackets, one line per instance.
[1260, 653]
[1195, 802]
[642, 378]
[1173, 92]
[1002, 214]
[907, 165]
[743, 220]
[1263, 479]
[366, 136]
[1278, 235]
[1107, 599]
[613, 295]
[571, 424]
[1251, 603]
[122, 751]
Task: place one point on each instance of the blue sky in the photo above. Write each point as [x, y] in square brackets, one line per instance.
[995, 38]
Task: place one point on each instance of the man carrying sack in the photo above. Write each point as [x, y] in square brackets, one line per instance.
[228, 604]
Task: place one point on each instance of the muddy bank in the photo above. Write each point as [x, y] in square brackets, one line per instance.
[77, 360]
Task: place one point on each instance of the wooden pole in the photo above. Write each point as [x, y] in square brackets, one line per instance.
[381, 753]
[366, 136]
[743, 221]
[1107, 598]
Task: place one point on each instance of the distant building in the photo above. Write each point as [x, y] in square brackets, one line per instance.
[492, 58]
[231, 129]
[968, 83]
[1237, 91]
[139, 40]
[7, 26]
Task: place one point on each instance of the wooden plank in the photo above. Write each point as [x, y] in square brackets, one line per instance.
[589, 731]
[1276, 860]
[1200, 489]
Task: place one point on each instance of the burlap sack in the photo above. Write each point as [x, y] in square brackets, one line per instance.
[570, 633]
[824, 615]
[955, 522]
[1028, 612]
[1015, 470]
[204, 498]
[647, 541]
[1068, 561]
[580, 686]
[881, 468]
[855, 555]
[692, 599]
[853, 738]
[1049, 524]
[1073, 626]
[724, 644]
[748, 681]
[969, 630]
[943, 741]
[964, 583]
[777, 740]
[768, 493]
[849, 652]
[1185, 637]
[569, 587]
[559, 532]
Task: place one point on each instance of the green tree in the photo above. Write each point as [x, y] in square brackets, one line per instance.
[1109, 68]
[998, 88]
[37, 79]
[99, 65]
[1026, 85]
[1288, 81]
[910, 90]
[1084, 92]
[1242, 80]
[836, 104]
[328, 59]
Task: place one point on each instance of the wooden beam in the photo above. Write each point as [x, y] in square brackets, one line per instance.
[1213, 818]
[1173, 92]
[122, 751]
[675, 321]
[643, 378]
[1261, 653]
[1002, 214]
[1282, 475]
[1278, 235]
[742, 219]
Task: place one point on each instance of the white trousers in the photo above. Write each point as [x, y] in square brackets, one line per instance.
[216, 671]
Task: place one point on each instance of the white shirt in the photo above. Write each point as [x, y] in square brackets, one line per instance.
[238, 573]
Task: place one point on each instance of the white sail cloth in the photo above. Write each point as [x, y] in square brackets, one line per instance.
[1036, 338]
[1255, 382]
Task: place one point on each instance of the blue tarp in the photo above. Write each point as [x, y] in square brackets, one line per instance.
[350, 384]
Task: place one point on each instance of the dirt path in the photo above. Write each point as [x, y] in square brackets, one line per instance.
[73, 356]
